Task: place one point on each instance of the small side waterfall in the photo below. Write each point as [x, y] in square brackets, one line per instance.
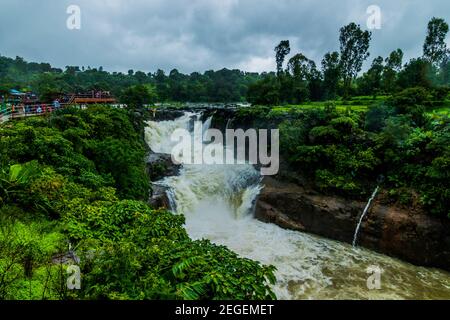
[228, 124]
[366, 209]
[206, 127]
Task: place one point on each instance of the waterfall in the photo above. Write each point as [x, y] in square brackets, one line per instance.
[206, 127]
[228, 124]
[218, 203]
[366, 209]
[233, 186]
[207, 123]
[157, 134]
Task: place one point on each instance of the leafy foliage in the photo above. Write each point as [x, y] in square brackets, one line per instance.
[340, 73]
[74, 181]
[403, 145]
[135, 88]
[97, 147]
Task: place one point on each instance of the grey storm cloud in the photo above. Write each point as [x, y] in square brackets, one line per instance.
[199, 35]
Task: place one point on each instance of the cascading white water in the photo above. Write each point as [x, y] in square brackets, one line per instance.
[228, 124]
[157, 134]
[217, 201]
[206, 126]
[366, 209]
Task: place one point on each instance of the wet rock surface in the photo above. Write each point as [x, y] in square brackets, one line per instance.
[159, 166]
[412, 236]
[164, 115]
[159, 198]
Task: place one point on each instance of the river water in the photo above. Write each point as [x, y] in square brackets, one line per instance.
[217, 201]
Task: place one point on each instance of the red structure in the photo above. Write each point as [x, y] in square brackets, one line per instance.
[92, 98]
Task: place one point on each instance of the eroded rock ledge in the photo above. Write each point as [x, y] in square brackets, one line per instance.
[159, 166]
[411, 236]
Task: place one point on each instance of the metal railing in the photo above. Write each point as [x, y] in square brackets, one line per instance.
[5, 115]
[42, 109]
[23, 111]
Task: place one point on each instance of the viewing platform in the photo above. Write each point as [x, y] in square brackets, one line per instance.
[23, 107]
[92, 98]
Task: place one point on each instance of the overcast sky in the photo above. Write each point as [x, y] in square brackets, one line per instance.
[199, 35]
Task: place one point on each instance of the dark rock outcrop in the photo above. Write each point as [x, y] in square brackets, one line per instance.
[159, 198]
[412, 236]
[164, 115]
[159, 166]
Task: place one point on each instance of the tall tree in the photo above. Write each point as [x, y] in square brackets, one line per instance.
[354, 51]
[393, 65]
[304, 74]
[416, 73]
[444, 72]
[136, 97]
[435, 49]
[331, 73]
[395, 60]
[281, 51]
[375, 75]
[300, 67]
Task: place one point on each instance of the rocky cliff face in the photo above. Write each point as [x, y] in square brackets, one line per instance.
[412, 236]
[159, 166]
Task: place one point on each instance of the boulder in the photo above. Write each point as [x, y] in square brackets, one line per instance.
[160, 165]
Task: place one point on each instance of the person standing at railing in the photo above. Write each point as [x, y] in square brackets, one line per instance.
[56, 104]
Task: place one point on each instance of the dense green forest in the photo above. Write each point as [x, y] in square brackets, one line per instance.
[212, 86]
[77, 180]
[301, 80]
[398, 144]
[339, 76]
[389, 126]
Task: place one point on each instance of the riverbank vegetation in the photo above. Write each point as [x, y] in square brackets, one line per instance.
[400, 143]
[344, 134]
[72, 192]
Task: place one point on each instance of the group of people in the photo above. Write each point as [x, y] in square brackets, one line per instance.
[28, 104]
[39, 108]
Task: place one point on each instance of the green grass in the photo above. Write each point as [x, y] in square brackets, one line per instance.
[358, 104]
[312, 105]
[440, 112]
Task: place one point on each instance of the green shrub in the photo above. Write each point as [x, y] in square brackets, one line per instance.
[74, 179]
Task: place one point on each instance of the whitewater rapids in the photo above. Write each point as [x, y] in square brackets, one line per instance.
[218, 202]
